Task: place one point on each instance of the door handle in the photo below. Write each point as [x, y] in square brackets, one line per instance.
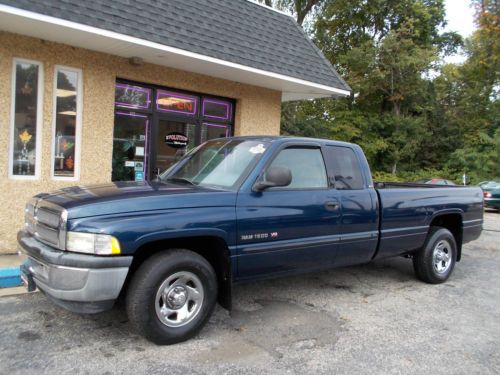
[332, 206]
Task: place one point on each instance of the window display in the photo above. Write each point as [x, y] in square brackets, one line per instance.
[26, 118]
[130, 96]
[67, 119]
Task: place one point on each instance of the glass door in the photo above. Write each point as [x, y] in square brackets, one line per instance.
[173, 140]
[130, 147]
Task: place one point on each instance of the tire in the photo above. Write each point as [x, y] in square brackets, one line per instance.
[162, 303]
[434, 263]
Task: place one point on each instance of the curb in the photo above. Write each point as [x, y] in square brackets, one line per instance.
[10, 277]
[15, 291]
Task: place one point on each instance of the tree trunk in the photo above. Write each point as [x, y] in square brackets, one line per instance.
[302, 13]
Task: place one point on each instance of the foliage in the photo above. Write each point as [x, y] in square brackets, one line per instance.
[421, 174]
[414, 116]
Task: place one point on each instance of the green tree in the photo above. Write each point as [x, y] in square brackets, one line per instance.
[474, 87]
[385, 48]
[412, 115]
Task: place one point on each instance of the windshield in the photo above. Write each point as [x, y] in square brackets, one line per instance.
[219, 163]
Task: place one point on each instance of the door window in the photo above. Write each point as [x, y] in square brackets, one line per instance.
[174, 140]
[344, 167]
[130, 146]
[307, 167]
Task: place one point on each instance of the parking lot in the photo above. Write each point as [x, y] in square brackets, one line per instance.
[375, 318]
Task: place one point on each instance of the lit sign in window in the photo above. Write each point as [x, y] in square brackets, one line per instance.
[217, 109]
[177, 103]
[132, 96]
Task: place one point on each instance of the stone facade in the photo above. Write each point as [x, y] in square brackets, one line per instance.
[257, 112]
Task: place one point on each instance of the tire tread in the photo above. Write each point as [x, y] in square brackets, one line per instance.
[140, 290]
[422, 260]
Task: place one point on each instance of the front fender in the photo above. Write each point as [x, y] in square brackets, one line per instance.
[137, 228]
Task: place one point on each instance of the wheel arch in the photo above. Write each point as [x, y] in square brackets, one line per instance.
[453, 221]
[213, 248]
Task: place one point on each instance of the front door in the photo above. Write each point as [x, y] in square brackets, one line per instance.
[155, 126]
[172, 140]
[289, 228]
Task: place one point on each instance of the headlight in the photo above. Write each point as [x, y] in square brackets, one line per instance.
[91, 243]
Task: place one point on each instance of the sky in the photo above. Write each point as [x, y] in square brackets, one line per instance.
[459, 15]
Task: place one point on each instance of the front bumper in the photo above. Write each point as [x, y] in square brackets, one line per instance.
[78, 282]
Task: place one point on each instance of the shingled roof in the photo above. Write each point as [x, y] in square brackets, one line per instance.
[237, 31]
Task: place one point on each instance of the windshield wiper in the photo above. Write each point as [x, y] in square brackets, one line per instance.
[180, 180]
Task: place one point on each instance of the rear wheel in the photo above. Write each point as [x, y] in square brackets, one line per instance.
[435, 262]
[171, 296]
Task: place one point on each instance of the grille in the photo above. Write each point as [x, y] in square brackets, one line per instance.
[47, 222]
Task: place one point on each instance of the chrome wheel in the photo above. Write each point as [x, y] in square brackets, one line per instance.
[441, 256]
[179, 299]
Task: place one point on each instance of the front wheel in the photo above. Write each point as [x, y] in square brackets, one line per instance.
[434, 263]
[171, 296]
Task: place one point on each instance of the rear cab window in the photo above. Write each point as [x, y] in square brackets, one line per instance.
[343, 168]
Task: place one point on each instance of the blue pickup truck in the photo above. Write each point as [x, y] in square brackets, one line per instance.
[232, 210]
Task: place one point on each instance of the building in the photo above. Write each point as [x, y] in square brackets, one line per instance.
[98, 91]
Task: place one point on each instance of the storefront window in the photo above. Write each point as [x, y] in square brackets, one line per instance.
[67, 118]
[176, 103]
[130, 96]
[217, 109]
[26, 119]
[212, 131]
[156, 126]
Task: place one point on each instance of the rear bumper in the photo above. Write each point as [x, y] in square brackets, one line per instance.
[492, 202]
[78, 282]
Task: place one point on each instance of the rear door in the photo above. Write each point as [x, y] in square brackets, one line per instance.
[359, 205]
[283, 229]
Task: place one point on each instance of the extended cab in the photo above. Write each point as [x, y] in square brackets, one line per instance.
[234, 209]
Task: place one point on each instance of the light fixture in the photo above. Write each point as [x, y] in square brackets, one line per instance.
[135, 60]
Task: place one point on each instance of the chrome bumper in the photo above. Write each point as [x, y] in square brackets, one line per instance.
[78, 282]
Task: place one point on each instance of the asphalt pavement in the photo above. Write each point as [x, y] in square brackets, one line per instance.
[375, 318]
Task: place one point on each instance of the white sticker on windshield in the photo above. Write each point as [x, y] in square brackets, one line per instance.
[259, 149]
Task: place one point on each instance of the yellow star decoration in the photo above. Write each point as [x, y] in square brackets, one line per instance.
[25, 136]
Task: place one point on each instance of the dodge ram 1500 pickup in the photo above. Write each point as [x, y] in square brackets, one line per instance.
[231, 210]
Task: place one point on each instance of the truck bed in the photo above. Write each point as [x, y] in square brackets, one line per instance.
[408, 209]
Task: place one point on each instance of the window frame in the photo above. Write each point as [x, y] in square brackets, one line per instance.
[39, 119]
[78, 124]
[313, 146]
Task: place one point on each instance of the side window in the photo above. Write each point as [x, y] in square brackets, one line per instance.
[307, 167]
[26, 120]
[67, 123]
[344, 167]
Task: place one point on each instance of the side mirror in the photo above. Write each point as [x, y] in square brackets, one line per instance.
[273, 177]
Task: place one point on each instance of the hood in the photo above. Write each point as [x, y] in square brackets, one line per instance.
[123, 197]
